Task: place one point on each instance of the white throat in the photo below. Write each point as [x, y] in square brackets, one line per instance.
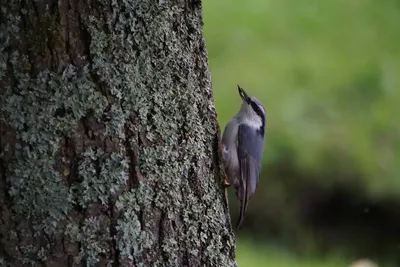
[248, 116]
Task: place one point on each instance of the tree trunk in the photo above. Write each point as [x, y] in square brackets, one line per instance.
[109, 139]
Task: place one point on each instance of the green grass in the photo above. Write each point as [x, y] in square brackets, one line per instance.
[328, 73]
[252, 255]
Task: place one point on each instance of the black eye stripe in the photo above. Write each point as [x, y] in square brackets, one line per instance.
[257, 110]
[260, 113]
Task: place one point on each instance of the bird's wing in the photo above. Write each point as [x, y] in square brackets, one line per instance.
[229, 132]
[250, 150]
[229, 140]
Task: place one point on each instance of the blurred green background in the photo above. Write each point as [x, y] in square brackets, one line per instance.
[328, 73]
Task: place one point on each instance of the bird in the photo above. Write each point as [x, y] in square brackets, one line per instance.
[243, 148]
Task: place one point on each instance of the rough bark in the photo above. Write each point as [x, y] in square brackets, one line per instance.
[109, 138]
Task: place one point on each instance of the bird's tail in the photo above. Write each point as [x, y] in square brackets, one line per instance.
[242, 212]
[243, 197]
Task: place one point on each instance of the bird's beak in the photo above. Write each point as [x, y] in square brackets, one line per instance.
[243, 94]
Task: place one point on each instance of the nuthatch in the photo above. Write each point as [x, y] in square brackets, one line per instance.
[243, 147]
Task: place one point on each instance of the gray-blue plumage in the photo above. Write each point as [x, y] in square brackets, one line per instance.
[250, 151]
[243, 141]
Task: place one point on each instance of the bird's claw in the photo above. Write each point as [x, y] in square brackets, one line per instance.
[226, 184]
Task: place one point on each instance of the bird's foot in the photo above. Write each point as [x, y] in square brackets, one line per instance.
[226, 184]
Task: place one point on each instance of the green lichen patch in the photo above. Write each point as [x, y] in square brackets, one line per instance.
[92, 247]
[101, 175]
[131, 240]
[37, 188]
[31, 107]
[3, 262]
